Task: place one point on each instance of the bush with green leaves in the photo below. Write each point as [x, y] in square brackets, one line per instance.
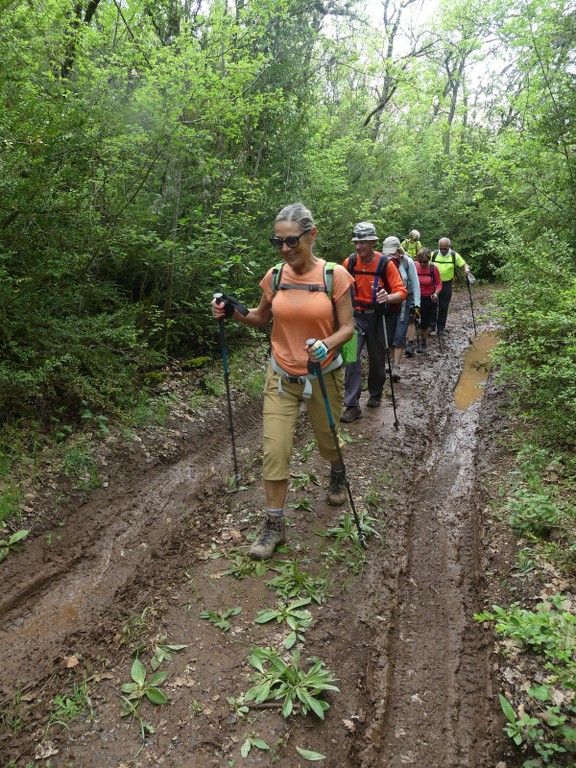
[538, 356]
[543, 720]
[539, 506]
[300, 689]
[293, 614]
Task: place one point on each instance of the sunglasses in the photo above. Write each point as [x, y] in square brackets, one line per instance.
[291, 241]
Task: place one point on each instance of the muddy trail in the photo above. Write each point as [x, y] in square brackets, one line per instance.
[130, 568]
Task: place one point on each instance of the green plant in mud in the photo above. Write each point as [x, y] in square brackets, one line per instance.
[136, 626]
[307, 451]
[302, 504]
[69, 707]
[354, 558]
[302, 480]
[15, 713]
[293, 615]
[142, 687]
[251, 742]
[7, 545]
[310, 755]
[163, 651]
[79, 463]
[347, 530]
[291, 582]
[544, 721]
[238, 706]
[242, 566]
[10, 499]
[300, 689]
[220, 619]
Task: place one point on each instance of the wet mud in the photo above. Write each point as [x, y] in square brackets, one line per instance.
[135, 564]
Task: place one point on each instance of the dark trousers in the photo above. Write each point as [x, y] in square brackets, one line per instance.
[370, 334]
[444, 298]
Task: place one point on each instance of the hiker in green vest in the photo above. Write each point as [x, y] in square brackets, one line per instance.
[412, 244]
[447, 260]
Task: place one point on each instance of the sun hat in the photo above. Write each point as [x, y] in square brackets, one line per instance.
[390, 245]
[365, 230]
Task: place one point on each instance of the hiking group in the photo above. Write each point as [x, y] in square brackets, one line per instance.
[324, 314]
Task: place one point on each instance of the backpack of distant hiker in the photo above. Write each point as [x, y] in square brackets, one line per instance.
[349, 349]
[452, 253]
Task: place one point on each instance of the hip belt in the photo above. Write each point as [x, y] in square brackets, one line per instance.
[306, 379]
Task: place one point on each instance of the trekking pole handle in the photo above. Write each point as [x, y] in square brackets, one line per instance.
[319, 348]
[231, 303]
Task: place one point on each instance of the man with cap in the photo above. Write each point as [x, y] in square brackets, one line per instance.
[377, 286]
[447, 261]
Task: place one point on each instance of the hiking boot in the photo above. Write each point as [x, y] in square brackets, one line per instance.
[351, 413]
[422, 347]
[271, 534]
[336, 495]
[374, 401]
[409, 351]
[395, 373]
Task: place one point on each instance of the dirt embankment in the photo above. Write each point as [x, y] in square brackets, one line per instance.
[142, 558]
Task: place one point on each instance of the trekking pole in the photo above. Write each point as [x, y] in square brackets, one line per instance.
[469, 280]
[232, 303]
[441, 340]
[316, 368]
[390, 371]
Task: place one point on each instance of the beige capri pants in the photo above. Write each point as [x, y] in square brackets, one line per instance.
[281, 414]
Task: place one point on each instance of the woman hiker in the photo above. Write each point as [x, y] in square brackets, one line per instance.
[299, 314]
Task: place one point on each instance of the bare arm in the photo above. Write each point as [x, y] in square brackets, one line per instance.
[345, 322]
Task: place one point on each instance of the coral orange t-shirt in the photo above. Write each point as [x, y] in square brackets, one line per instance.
[300, 315]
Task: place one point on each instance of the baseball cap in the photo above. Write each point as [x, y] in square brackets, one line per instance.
[365, 230]
[390, 245]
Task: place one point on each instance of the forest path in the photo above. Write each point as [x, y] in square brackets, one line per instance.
[140, 559]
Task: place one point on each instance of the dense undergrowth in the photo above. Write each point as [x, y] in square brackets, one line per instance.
[537, 362]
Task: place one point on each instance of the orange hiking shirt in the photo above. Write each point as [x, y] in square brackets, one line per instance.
[301, 315]
[363, 295]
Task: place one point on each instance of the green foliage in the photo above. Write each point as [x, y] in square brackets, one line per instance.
[291, 582]
[539, 506]
[66, 708]
[7, 545]
[163, 651]
[346, 529]
[242, 566]
[546, 721]
[251, 742]
[539, 355]
[220, 619]
[139, 689]
[299, 689]
[298, 620]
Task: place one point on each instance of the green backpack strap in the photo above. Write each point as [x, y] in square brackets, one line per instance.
[328, 279]
[276, 275]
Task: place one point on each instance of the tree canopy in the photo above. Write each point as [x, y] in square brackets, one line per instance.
[146, 147]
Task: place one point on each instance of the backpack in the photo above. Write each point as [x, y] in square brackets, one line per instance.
[452, 253]
[349, 348]
[328, 286]
[379, 273]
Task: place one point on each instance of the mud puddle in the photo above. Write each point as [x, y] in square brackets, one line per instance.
[137, 566]
[474, 376]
